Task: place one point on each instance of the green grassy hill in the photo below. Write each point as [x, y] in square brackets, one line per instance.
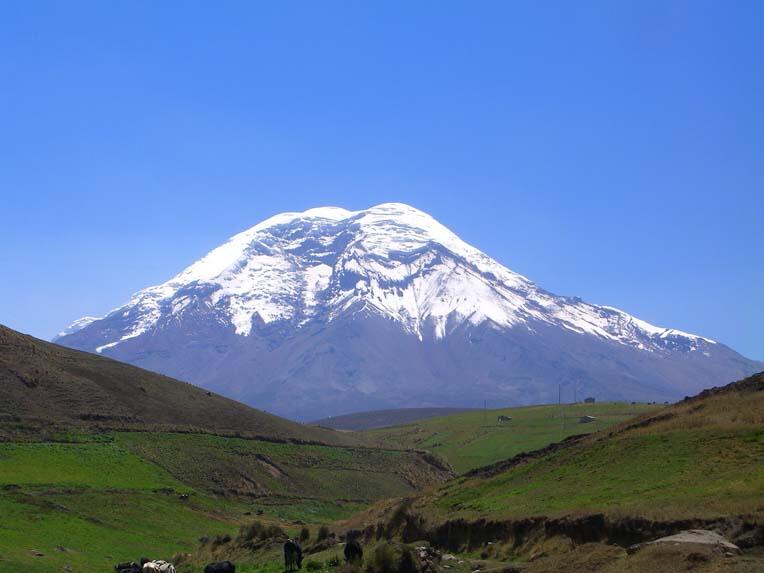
[374, 419]
[111, 497]
[703, 457]
[473, 439]
[579, 504]
[697, 463]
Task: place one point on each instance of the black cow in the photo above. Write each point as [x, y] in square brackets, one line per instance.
[127, 567]
[220, 567]
[292, 555]
[353, 551]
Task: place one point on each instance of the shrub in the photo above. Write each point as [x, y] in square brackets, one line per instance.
[251, 531]
[323, 532]
[407, 563]
[304, 534]
[274, 531]
[257, 530]
[383, 560]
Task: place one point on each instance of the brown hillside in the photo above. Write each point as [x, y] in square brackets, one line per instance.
[45, 384]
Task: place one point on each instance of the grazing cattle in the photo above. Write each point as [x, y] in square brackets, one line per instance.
[503, 419]
[127, 567]
[220, 567]
[292, 555]
[158, 567]
[353, 551]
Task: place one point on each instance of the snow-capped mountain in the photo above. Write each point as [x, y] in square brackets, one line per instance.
[329, 311]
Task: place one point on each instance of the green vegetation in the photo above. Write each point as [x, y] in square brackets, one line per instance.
[703, 457]
[88, 500]
[87, 505]
[284, 471]
[96, 499]
[81, 465]
[474, 439]
[82, 493]
[680, 473]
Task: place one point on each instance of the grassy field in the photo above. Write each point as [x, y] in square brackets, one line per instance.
[285, 473]
[94, 500]
[90, 500]
[88, 505]
[474, 439]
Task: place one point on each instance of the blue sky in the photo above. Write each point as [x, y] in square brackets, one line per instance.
[609, 150]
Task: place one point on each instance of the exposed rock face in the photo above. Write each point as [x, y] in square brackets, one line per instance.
[699, 537]
[330, 311]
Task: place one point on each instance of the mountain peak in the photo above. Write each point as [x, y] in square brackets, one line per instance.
[391, 259]
[393, 269]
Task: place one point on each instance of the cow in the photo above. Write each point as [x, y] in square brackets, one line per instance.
[127, 567]
[292, 555]
[353, 551]
[503, 419]
[158, 567]
[220, 567]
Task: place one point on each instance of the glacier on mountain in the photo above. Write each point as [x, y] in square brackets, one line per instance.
[349, 307]
[288, 267]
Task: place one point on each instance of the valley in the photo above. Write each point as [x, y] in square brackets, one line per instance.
[101, 462]
[205, 478]
[101, 498]
[697, 464]
[474, 439]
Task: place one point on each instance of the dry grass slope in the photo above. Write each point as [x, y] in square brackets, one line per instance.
[44, 384]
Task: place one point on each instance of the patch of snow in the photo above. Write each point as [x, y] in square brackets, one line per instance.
[78, 325]
[105, 346]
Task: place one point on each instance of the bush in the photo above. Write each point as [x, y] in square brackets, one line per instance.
[408, 563]
[313, 566]
[383, 560]
[274, 531]
[257, 530]
[333, 562]
[304, 534]
[254, 530]
[323, 532]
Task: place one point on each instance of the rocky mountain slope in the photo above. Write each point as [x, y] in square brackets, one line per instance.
[331, 311]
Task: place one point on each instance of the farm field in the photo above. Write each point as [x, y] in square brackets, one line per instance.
[473, 439]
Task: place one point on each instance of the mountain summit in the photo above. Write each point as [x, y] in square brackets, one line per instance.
[330, 311]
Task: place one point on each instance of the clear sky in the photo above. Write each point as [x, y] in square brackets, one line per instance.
[608, 150]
